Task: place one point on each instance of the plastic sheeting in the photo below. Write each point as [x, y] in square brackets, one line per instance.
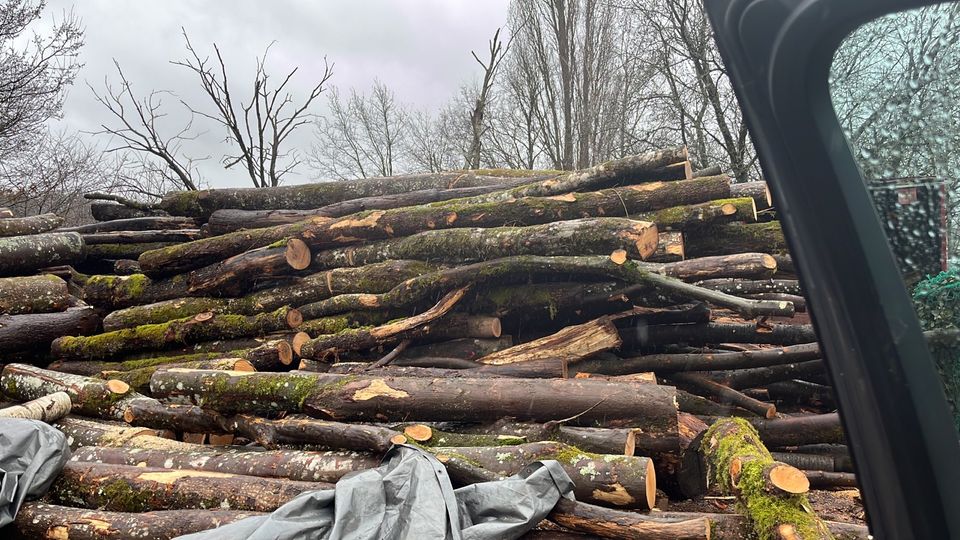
[410, 497]
[31, 456]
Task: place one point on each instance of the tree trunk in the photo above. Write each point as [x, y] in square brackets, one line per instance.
[126, 267]
[37, 330]
[49, 408]
[141, 237]
[24, 254]
[590, 236]
[108, 211]
[816, 462]
[136, 224]
[113, 292]
[747, 286]
[704, 334]
[202, 327]
[681, 218]
[82, 433]
[826, 479]
[800, 430]
[754, 377]
[669, 363]
[123, 250]
[758, 191]
[139, 379]
[346, 398]
[764, 237]
[37, 520]
[90, 397]
[29, 225]
[740, 265]
[33, 294]
[238, 274]
[130, 488]
[608, 523]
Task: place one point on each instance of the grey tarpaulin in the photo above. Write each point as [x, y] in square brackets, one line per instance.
[410, 496]
[31, 456]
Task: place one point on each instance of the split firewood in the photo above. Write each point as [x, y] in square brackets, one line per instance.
[44, 293]
[150, 223]
[24, 254]
[591, 236]
[52, 522]
[36, 330]
[199, 328]
[764, 237]
[90, 397]
[130, 488]
[48, 408]
[110, 211]
[573, 343]
[344, 398]
[299, 465]
[37, 224]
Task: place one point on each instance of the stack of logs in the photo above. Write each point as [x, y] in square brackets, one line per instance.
[230, 349]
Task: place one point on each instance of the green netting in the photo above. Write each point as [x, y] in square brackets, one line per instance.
[937, 301]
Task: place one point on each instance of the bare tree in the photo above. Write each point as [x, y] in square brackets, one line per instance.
[477, 125]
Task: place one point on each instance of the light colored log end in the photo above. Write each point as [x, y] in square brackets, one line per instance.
[769, 262]
[285, 351]
[117, 386]
[418, 432]
[398, 439]
[295, 318]
[297, 254]
[619, 256]
[789, 479]
[651, 485]
[298, 340]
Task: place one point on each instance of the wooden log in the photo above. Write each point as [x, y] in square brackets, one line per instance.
[738, 527]
[112, 292]
[33, 294]
[347, 398]
[739, 265]
[41, 223]
[591, 439]
[669, 247]
[730, 238]
[197, 329]
[82, 433]
[122, 251]
[754, 377]
[758, 191]
[126, 267]
[589, 236]
[49, 408]
[799, 430]
[24, 254]
[688, 216]
[725, 394]
[669, 363]
[90, 397]
[770, 493]
[139, 379]
[815, 462]
[520, 268]
[749, 286]
[299, 465]
[610, 480]
[799, 302]
[827, 479]
[129, 488]
[609, 523]
[149, 223]
[109, 211]
[572, 344]
[141, 237]
[52, 522]
[462, 348]
[702, 334]
[237, 275]
[33, 331]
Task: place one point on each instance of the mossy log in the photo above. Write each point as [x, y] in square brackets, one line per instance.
[113, 292]
[689, 216]
[609, 480]
[35, 331]
[669, 247]
[766, 237]
[738, 265]
[237, 275]
[38, 520]
[572, 344]
[334, 324]
[758, 191]
[129, 488]
[738, 527]
[139, 379]
[349, 398]
[589, 236]
[703, 334]
[33, 294]
[668, 363]
[141, 237]
[49, 408]
[119, 251]
[374, 278]
[40, 223]
[199, 328]
[109, 211]
[425, 435]
[462, 348]
[769, 493]
[150, 223]
[81, 432]
[89, 396]
[749, 286]
[519, 269]
[21, 255]
[299, 465]
[608, 523]
[126, 267]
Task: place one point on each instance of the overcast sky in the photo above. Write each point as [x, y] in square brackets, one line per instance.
[419, 48]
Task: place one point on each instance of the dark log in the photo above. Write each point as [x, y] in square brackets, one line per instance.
[748, 286]
[29, 225]
[738, 527]
[712, 170]
[463, 348]
[590, 236]
[758, 191]
[725, 394]
[754, 377]
[590, 439]
[91, 397]
[126, 267]
[669, 247]
[37, 520]
[803, 392]
[200, 328]
[149, 223]
[799, 302]
[299, 465]
[82, 433]
[123, 251]
[129, 488]
[608, 523]
[798, 430]
[109, 211]
[764, 237]
[24, 254]
[785, 265]
[668, 363]
[703, 334]
[826, 479]
[33, 294]
[346, 398]
[141, 237]
[37, 330]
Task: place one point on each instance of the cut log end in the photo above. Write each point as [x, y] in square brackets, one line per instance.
[651, 485]
[619, 256]
[295, 318]
[418, 432]
[285, 351]
[769, 262]
[205, 316]
[399, 438]
[768, 195]
[243, 365]
[297, 254]
[128, 416]
[630, 446]
[789, 479]
[298, 341]
[117, 386]
[728, 209]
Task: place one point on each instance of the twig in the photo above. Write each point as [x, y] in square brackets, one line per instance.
[390, 356]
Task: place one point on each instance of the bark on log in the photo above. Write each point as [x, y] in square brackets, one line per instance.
[463, 349]
[136, 224]
[597, 440]
[816, 462]
[725, 394]
[37, 330]
[139, 379]
[33, 294]
[141, 237]
[702, 334]
[49, 408]
[24, 254]
[610, 480]
[126, 267]
[826, 479]
[669, 247]
[299, 465]
[754, 377]
[712, 170]
[590, 236]
[90, 397]
[113, 292]
[609, 523]
[758, 191]
[334, 324]
[747, 286]
[346, 398]
[129, 488]
[237, 275]
[689, 216]
[739, 265]
[738, 527]
[669, 363]
[800, 430]
[572, 344]
[123, 251]
[740, 464]
[108, 211]
[82, 433]
[29, 225]
[200, 328]
[764, 237]
[37, 520]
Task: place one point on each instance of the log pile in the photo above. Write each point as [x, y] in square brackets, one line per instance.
[235, 348]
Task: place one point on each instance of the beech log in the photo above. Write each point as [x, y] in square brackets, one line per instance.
[122, 250]
[82, 433]
[24, 254]
[109, 211]
[33, 294]
[702, 334]
[758, 191]
[141, 237]
[747, 286]
[37, 330]
[49, 408]
[766, 237]
[668, 363]
[41, 223]
[139, 379]
[740, 265]
[609, 523]
[149, 223]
